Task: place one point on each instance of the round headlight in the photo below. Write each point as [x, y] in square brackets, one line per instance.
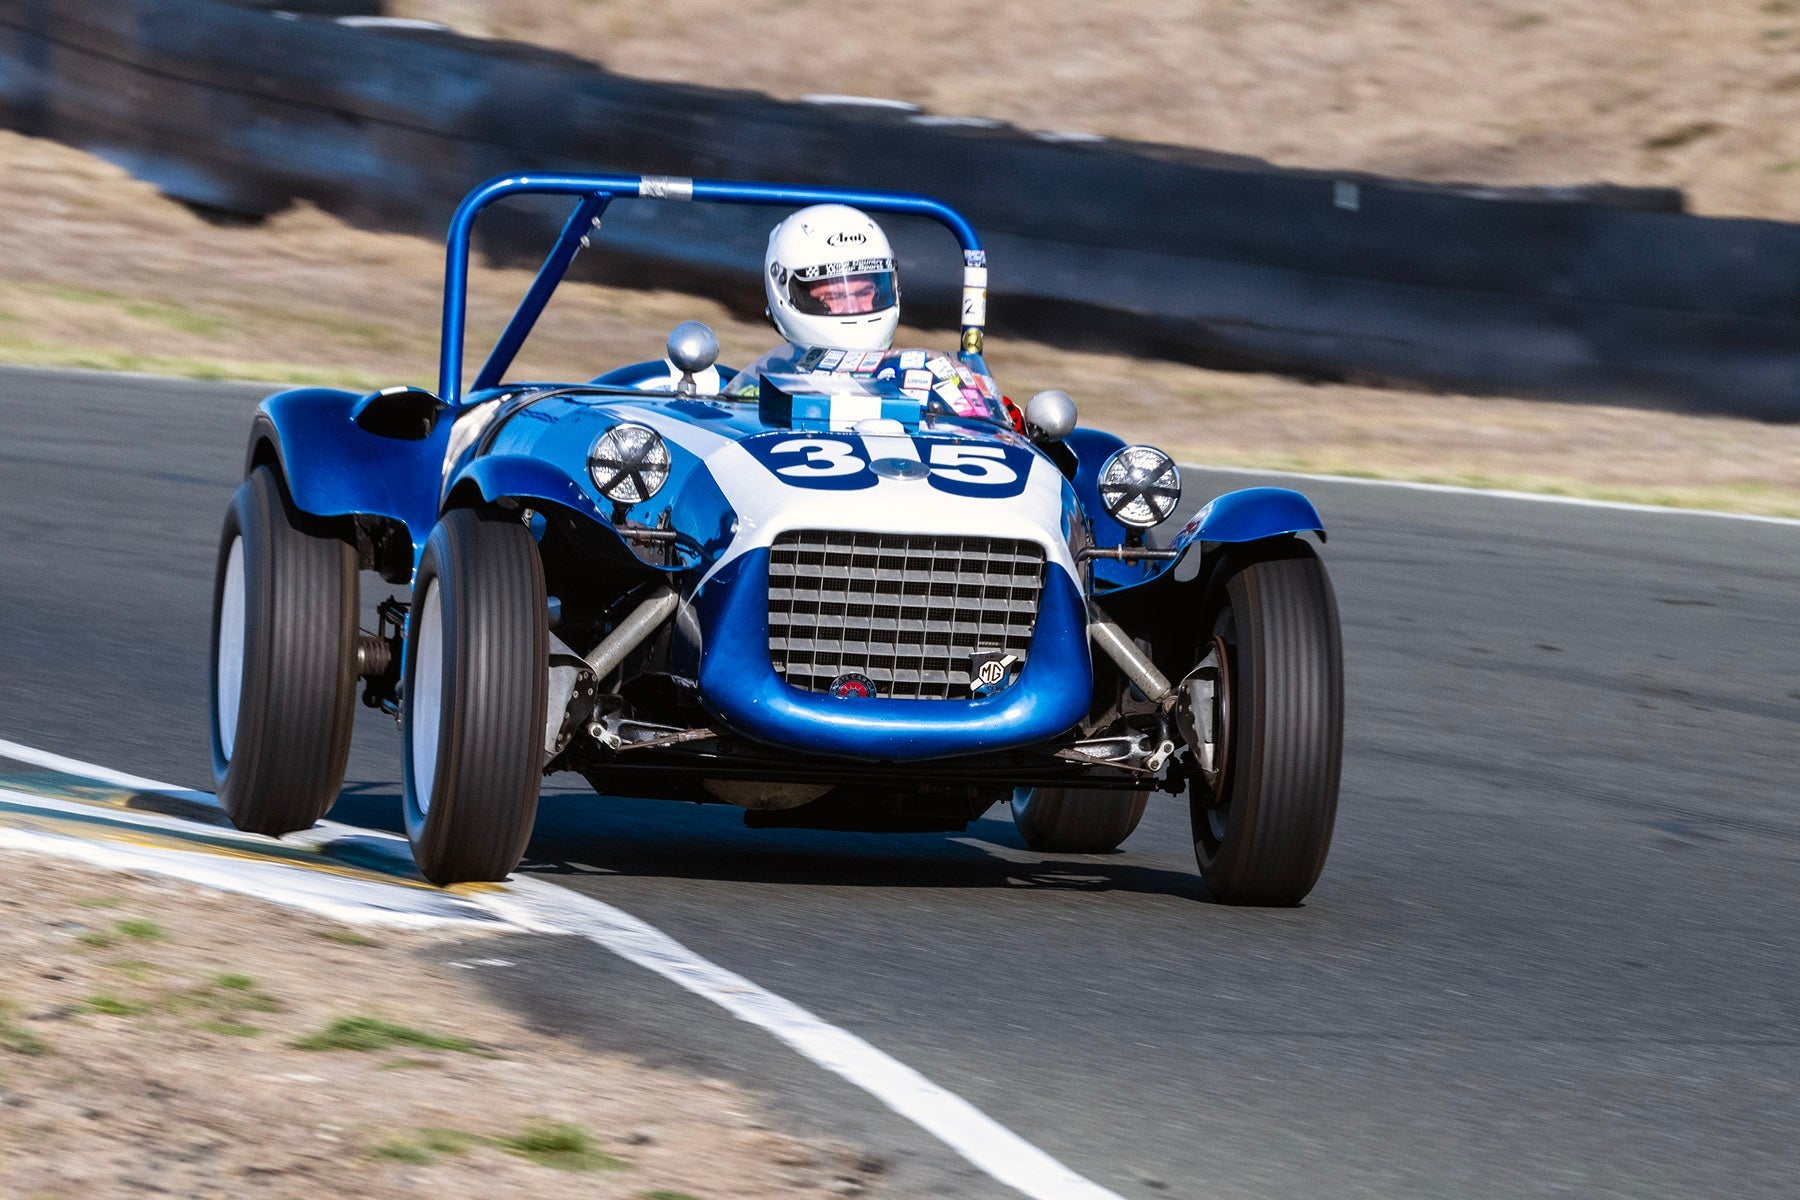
[629, 463]
[1140, 486]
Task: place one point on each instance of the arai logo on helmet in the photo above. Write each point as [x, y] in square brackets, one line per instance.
[847, 237]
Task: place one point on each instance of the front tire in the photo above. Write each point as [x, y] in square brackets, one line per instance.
[1055, 820]
[1262, 825]
[472, 717]
[283, 661]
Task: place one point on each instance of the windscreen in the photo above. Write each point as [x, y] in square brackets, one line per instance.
[844, 289]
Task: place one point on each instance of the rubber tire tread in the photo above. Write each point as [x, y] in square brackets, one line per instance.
[298, 695]
[1055, 820]
[1288, 720]
[491, 732]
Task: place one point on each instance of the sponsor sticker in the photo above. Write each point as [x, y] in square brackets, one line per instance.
[871, 360]
[920, 394]
[974, 258]
[916, 379]
[940, 368]
[832, 359]
[911, 360]
[950, 394]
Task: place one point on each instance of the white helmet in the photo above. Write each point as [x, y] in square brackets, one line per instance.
[829, 275]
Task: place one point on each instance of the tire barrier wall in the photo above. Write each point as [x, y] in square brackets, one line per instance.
[1602, 294]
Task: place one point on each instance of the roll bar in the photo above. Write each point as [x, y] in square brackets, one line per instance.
[595, 192]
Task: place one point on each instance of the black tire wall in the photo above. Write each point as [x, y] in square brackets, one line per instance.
[1600, 293]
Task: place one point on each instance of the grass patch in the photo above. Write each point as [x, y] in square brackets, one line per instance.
[113, 1006]
[425, 1146]
[560, 1145]
[372, 1033]
[665, 1194]
[17, 1038]
[345, 937]
[100, 902]
[134, 969]
[228, 1027]
[97, 939]
[142, 930]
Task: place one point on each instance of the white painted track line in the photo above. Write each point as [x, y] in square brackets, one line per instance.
[534, 905]
[967, 1130]
[1449, 489]
[32, 756]
[350, 901]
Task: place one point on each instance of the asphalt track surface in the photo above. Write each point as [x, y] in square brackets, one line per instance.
[1553, 951]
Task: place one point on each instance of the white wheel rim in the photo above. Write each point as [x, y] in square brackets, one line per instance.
[425, 702]
[230, 671]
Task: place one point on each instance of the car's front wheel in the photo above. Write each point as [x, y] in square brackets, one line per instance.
[472, 714]
[1264, 797]
[1057, 820]
[283, 660]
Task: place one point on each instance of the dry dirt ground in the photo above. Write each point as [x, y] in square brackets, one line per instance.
[99, 270]
[1698, 94]
[154, 1039]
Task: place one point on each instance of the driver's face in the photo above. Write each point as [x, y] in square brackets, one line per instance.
[844, 297]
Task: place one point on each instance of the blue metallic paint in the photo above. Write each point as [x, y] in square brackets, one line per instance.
[1248, 515]
[333, 467]
[537, 481]
[742, 690]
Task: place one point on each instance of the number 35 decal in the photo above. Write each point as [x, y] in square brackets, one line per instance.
[844, 463]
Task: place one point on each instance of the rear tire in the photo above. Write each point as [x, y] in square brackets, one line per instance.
[1262, 834]
[472, 717]
[283, 661]
[1057, 820]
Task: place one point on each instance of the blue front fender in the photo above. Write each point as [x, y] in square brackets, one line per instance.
[335, 468]
[522, 477]
[1248, 515]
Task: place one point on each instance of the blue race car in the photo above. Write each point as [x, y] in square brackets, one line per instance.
[844, 590]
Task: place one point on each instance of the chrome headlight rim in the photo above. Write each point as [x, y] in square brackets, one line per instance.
[629, 463]
[1140, 486]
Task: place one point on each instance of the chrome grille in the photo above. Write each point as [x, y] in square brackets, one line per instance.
[907, 610]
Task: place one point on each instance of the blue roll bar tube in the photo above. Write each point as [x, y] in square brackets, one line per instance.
[596, 191]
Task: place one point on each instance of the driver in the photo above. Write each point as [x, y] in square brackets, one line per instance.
[829, 277]
[831, 286]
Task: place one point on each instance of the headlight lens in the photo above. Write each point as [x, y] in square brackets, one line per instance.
[1140, 486]
[629, 463]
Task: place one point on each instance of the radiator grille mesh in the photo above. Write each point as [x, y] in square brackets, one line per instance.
[907, 610]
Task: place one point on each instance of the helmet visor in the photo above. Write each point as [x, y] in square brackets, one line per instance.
[846, 289]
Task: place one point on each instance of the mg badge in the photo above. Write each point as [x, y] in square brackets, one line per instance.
[852, 686]
[991, 670]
